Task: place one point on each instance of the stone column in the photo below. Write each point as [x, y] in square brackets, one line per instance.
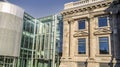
[66, 47]
[72, 40]
[65, 52]
[92, 40]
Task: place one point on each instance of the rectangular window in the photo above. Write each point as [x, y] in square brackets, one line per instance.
[81, 64]
[81, 46]
[81, 24]
[102, 21]
[104, 65]
[103, 45]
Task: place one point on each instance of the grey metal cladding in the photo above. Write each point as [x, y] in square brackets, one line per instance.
[10, 34]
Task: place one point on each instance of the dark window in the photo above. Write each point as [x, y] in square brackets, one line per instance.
[103, 45]
[81, 64]
[26, 42]
[31, 43]
[43, 39]
[82, 46]
[102, 21]
[104, 65]
[81, 24]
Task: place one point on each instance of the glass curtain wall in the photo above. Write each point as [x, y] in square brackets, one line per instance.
[48, 40]
[41, 43]
[27, 52]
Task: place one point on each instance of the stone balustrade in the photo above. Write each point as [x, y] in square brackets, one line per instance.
[81, 3]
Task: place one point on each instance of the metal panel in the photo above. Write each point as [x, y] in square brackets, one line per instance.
[10, 33]
[11, 9]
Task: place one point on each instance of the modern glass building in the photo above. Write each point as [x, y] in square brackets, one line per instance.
[48, 40]
[27, 50]
[26, 41]
[11, 23]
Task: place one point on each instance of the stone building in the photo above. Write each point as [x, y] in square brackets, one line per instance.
[91, 34]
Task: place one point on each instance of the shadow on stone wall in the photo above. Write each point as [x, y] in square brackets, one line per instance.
[114, 10]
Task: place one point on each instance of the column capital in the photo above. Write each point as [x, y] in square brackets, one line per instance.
[90, 16]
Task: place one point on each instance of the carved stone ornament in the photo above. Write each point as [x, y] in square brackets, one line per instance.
[80, 33]
[101, 31]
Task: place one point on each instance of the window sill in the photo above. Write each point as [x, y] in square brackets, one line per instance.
[102, 27]
[103, 55]
[81, 55]
[79, 30]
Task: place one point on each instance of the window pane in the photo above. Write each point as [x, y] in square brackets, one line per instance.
[102, 21]
[103, 45]
[81, 24]
[81, 46]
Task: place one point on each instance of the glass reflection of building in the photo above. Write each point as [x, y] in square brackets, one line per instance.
[48, 40]
[27, 50]
[26, 41]
[39, 42]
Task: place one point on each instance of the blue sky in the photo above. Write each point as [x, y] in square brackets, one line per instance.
[41, 8]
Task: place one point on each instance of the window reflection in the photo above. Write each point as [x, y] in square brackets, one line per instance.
[81, 46]
[102, 21]
[81, 24]
[103, 45]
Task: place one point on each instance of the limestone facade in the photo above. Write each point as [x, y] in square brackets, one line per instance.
[90, 11]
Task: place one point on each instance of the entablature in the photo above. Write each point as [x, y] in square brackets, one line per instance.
[86, 8]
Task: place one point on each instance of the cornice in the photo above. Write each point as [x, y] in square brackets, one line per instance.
[89, 7]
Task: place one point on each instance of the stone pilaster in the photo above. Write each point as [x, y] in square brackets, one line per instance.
[65, 53]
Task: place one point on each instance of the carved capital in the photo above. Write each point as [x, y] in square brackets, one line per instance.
[71, 21]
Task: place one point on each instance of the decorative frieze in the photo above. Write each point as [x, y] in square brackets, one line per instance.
[103, 30]
[80, 33]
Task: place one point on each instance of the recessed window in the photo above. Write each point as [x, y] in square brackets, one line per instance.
[81, 64]
[103, 45]
[102, 21]
[81, 24]
[104, 65]
[81, 46]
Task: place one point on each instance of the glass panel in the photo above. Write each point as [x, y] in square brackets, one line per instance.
[81, 24]
[102, 21]
[103, 45]
[31, 43]
[81, 46]
[26, 42]
[42, 48]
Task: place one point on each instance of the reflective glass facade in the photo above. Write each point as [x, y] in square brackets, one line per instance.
[40, 43]
[27, 51]
[48, 39]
